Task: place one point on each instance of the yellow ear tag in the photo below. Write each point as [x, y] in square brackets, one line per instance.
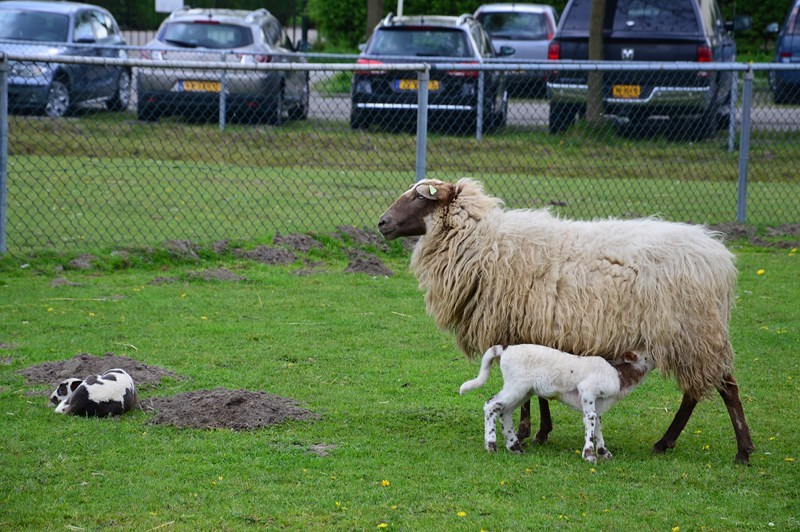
[432, 190]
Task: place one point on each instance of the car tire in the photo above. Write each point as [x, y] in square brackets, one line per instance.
[274, 113]
[122, 96]
[562, 116]
[58, 102]
[300, 111]
[147, 113]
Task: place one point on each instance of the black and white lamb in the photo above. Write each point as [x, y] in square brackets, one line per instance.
[111, 394]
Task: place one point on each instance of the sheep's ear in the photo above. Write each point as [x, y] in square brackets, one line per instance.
[429, 191]
[630, 356]
[74, 385]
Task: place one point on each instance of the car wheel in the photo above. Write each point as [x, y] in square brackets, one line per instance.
[562, 116]
[300, 111]
[57, 100]
[121, 98]
[276, 111]
[146, 113]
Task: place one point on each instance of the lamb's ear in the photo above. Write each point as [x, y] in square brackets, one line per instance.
[74, 385]
[630, 356]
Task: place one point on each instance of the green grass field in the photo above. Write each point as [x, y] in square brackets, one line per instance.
[405, 450]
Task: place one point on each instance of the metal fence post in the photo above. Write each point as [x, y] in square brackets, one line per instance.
[3, 147]
[744, 146]
[422, 121]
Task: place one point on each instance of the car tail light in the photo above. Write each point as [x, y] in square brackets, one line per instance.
[249, 59]
[703, 56]
[464, 73]
[153, 55]
[369, 72]
[554, 51]
[785, 57]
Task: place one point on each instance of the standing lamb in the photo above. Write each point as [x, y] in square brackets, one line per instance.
[111, 394]
[606, 287]
[588, 384]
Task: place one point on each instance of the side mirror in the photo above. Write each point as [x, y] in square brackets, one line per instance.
[506, 51]
[362, 47]
[740, 23]
[773, 28]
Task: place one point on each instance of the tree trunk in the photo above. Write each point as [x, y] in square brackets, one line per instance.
[594, 96]
[374, 15]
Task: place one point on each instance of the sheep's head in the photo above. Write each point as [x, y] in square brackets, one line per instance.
[406, 216]
[64, 390]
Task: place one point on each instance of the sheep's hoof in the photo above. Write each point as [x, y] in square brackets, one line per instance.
[743, 458]
[541, 438]
[604, 453]
[662, 446]
[491, 446]
[516, 448]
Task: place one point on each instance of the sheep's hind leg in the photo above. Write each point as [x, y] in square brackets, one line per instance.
[512, 443]
[602, 452]
[730, 395]
[545, 422]
[490, 410]
[682, 416]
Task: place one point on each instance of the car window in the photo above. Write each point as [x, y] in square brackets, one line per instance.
[206, 35]
[517, 26]
[638, 15]
[33, 26]
[481, 38]
[84, 27]
[413, 41]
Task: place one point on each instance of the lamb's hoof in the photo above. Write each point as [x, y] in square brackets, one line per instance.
[491, 447]
[589, 456]
[604, 453]
[516, 448]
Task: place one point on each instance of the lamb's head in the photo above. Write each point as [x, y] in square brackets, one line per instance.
[406, 216]
[64, 390]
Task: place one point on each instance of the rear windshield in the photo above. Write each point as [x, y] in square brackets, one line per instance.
[517, 26]
[674, 16]
[412, 41]
[33, 26]
[206, 35]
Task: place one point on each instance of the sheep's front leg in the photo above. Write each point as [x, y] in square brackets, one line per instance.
[590, 423]
[600, 444]
[512, 443]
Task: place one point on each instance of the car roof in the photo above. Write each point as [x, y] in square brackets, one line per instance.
[519, 8]
[223, 15]
[425, 20]
[52, 7]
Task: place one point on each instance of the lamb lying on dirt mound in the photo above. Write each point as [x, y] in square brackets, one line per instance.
[111, 394]
[588, 384]
[606, 287]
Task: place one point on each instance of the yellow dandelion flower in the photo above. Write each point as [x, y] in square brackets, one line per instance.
[760, 272]
[676, 529]
[383, 525]
[385, 483]
[789, 459]
[462, 514]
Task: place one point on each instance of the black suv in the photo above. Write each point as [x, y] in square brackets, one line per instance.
[647, 30]
[390, 97]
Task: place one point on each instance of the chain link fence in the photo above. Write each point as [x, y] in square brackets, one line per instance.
[111, 153]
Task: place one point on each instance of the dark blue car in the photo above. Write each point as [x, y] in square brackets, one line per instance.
[62, 29]
[786, 84]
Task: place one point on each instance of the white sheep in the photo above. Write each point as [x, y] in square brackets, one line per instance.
[111, 394]
[588, 384]
[605, 287]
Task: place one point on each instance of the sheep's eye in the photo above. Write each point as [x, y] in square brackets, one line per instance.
[421, 197]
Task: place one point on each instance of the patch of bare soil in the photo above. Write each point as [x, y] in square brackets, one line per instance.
[268, 255]
[361, 237]
[361, 262]
[183, 249]
[735, 231]
[217, 274]
[84, 364]
[296, 241]
[224, 409]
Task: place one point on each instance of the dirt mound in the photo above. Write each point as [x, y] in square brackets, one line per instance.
[298, 242]
[361, 262]
[224, 409]
[267, 255]
[84, 364]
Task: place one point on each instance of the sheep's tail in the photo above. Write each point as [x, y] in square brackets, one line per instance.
[486, 364]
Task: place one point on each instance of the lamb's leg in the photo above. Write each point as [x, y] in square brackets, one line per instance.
[590, 423]
[600, 444]
[730, 394]
[512, 443]
[682, 416]
[490, 410]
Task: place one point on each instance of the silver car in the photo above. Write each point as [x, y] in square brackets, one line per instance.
[222, 35]
[528, 29]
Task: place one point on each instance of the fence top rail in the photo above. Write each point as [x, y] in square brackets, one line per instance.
[414, 65]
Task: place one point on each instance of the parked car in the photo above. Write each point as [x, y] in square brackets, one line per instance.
[61, 29]
[229, 35]
[785, 85]
[528, 29]
[648, 30]
[385, 96]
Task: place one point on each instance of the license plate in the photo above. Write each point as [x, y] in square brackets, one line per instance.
[626, 91]
[413, 84]
[200, 86]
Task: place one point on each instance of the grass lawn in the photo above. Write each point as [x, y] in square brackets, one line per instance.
[405, 451]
